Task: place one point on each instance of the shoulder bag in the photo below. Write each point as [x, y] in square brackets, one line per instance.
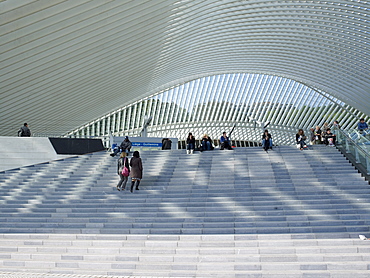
[125, 171]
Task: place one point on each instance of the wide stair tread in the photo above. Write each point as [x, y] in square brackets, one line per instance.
[241, 213]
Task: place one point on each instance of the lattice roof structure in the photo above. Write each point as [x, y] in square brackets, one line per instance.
[64, 64]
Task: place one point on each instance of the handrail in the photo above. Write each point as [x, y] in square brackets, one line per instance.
[355, 143]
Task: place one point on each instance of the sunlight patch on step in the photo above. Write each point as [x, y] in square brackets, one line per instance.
[229, 204]
[169, 208]
[306, 207]
[118, 214]
[32, 204]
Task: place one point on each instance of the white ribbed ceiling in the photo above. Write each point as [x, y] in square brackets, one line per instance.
[65, 63]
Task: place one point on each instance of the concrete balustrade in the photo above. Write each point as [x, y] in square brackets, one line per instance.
[18, 152]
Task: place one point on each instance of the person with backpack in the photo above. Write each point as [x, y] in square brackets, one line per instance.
[123, 171]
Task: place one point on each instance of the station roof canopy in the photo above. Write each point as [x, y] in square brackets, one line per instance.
[65, 63]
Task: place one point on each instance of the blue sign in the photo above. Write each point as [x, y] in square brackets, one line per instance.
[143, 144]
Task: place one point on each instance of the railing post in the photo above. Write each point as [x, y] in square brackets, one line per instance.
[347, 146]
[368, 165]
[339, 134]
[357, 156]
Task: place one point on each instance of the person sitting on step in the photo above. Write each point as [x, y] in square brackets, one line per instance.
[206, 143]
[318, 135]
[190, 144]
[362, 127]
[266, 140]
[329, 138]
[124, 147]
[300, 139]
[166, 144]
[225, 142]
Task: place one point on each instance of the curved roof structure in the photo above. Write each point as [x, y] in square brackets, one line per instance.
[65, 63]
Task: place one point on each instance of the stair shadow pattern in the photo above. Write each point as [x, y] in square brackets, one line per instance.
[245, 191]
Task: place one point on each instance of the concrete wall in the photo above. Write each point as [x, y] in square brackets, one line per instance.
[23, 151]
[76, 145]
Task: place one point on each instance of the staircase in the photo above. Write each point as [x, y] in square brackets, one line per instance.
[241, 213]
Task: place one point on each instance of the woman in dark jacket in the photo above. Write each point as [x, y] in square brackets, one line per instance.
[136, 173]
[206, 143]
[266, 140]
[122, 162]
[300, 137]
[329, 138]
[318, 135]
[190, 144]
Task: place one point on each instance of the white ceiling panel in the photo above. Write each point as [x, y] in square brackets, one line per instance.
[65, 63]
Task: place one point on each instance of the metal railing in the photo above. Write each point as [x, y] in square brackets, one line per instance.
[355, 143]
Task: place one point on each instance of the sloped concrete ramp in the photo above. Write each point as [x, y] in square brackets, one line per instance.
[24, 151]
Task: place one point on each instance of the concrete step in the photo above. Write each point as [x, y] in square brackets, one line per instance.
[224, 214]
[184, 255]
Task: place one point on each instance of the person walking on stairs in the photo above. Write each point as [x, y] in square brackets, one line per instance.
[122, 163]
[136, 173]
